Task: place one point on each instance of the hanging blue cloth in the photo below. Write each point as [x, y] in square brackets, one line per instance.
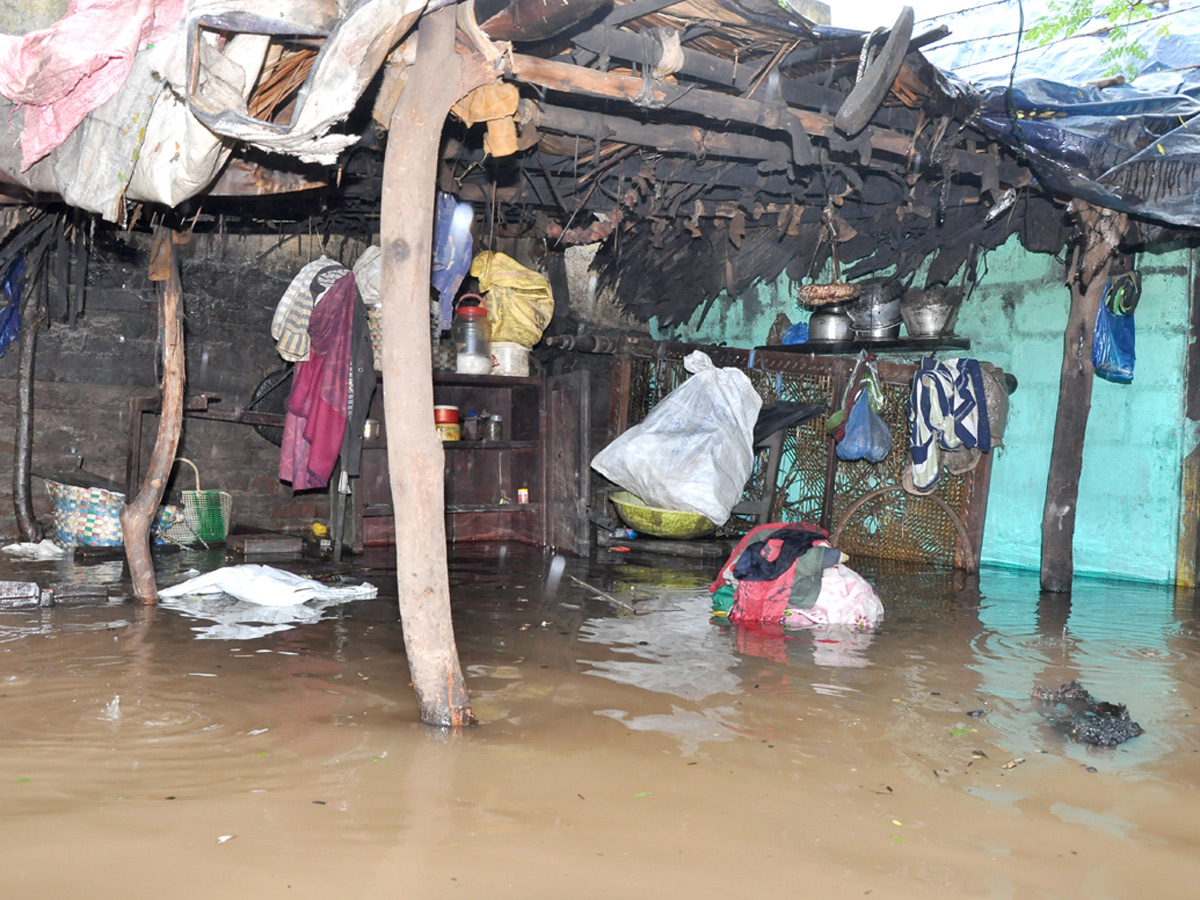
[451, 251]
[10, 319]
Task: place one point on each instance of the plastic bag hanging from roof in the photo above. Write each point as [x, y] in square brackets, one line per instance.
[65, 71]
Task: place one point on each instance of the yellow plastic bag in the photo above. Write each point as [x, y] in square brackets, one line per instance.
[519, 300]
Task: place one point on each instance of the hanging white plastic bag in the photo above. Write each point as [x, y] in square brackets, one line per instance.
[695, 450]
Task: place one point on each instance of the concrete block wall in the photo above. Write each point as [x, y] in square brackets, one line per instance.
[86, 375]
[1127, 522]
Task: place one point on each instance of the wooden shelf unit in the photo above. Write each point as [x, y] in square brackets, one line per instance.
[544, 451]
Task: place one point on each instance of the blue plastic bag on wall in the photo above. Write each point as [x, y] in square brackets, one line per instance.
[1112, 343]
[10, 318]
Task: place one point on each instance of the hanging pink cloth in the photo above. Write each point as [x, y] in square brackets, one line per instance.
[63, 72]
[319, 402]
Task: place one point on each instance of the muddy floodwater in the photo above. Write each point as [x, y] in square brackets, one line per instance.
[203, 753]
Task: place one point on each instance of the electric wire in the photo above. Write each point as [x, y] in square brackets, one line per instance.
[1070, 37]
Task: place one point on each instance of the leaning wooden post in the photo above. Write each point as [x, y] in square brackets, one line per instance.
[139, 513]
[416, 459]
[33, 314]
[1101, 232]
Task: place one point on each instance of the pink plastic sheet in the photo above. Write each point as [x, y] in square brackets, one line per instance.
[63, 72]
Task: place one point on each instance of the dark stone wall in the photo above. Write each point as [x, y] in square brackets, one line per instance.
[86, 375]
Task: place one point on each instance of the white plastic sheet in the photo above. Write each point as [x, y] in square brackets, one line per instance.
[250, 601]
[42, 550]
[266, 586]
[695, 450]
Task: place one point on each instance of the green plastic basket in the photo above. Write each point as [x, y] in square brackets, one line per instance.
[206, 513]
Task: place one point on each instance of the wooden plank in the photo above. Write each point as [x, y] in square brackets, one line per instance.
[1188, 545]
[516, 524]
[685, 139]
[1189, 523]
[77, 595]
[567, 78]
[707, 548]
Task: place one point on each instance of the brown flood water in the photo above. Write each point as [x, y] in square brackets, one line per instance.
[653, 755]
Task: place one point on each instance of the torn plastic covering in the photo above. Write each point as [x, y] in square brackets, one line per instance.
[64, 71]
[168, 130]
[1132, 147]
[348, 59]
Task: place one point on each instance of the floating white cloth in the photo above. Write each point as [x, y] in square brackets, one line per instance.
[267, 586]
[264, 600]
[43, 550]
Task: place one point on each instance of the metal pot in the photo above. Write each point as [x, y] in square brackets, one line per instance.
[930, 312]
[878, 333]
[877, 311]
[830, 323]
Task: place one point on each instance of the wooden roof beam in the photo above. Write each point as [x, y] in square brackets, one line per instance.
[685, 139]
[566, 78]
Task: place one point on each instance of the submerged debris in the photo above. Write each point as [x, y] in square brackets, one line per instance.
[1091, 721]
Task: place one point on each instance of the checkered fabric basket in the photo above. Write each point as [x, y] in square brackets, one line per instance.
[90, 517]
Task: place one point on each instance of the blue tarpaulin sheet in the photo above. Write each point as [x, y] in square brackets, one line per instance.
[1133, 147]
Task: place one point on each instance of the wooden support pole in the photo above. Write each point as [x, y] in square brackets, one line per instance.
[33, 314]
[139, 512]
[416, 460]
[1101, 232]
[1188, 546]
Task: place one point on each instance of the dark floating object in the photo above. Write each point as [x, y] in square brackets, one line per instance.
[1091, 721]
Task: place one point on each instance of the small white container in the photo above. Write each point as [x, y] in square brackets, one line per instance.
[510, 359]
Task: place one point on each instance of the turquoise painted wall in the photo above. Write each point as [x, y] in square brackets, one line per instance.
[1127, 522]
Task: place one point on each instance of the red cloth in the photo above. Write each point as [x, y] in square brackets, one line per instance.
[725, 576]
[319, 402]
[761, 601]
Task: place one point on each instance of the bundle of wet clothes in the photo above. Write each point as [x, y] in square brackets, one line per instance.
[1087, 720]
[787, 574]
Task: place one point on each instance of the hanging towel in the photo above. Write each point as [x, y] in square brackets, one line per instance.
[289, 326]
[948, 409]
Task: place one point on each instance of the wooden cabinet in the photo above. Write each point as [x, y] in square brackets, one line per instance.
[544, 451]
